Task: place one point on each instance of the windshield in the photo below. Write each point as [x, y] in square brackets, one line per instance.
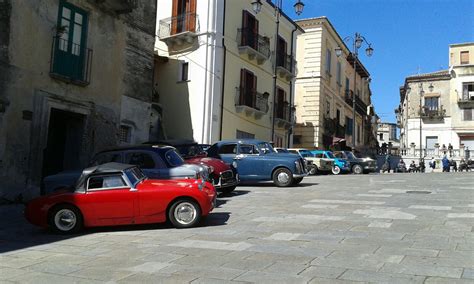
[135, 175]
[189, 150]
[351, 156]
[265, 147]
[305, 153]
[173, 158]
[330, 155]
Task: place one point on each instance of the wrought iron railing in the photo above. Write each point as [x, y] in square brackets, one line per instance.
[252, 99]
[69, 61]
[247, 37]
[429, 112]
[188, 22]
[286, 61]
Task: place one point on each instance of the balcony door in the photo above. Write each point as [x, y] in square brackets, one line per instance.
[248, 88]
[184, 16]
[280, 106]
[281, 53]
[249, 30]
[69, 51]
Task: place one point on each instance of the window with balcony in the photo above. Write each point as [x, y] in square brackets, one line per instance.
[248, 88]
[431, 103]
[281, 52]
[468, 91]
[252, 44]
[183, 16]
[464, 57]
[280, 104]
[70, 57]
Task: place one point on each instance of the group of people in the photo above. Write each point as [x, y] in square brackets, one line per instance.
[451, 165]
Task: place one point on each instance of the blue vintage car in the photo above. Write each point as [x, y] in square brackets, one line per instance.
[340, 165]
[256, 160]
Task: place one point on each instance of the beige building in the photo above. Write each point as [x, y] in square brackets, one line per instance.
[324, 90]
[75, 78]
[445, 115]
[214, 70]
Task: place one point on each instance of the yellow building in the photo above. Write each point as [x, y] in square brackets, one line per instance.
[325, 88]
[215, 70]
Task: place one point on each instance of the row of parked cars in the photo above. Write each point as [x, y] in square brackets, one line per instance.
[172, 180]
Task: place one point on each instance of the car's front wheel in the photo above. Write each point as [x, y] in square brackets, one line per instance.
[357, 169]
[65, 219]
[227, 190]
[297, 180]
[184, 213]
[313, 170]
[282, 177]
[336, 170]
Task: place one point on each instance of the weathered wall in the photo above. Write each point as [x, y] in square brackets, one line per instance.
[121, 67]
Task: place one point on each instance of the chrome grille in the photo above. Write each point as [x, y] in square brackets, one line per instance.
[227, 174]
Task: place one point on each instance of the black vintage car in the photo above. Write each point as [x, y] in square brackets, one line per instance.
[357, 165]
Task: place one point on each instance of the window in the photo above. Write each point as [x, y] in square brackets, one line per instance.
[297, 139]
[244, 135]
[248, 88]
[183, 16]
[279, 104]
[348, 125]
[464, 57]
[104, 158]
[338, 74]
[277, 141]
[467, 114]
[281, 57]
[359, 133]
[249, 34]
[431, 103]
[105, 182]
[381, 136]
[328, 61]
[431, 141]
[183, 77]
[347, 86]
[228, 149]
[248, 149]
[338, 117]
[319, 155]
[173, 158]
[70, 52]
[140, 159]
[125, 134]
[468, 91]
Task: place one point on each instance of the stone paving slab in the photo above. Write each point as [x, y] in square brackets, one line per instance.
[368, 229]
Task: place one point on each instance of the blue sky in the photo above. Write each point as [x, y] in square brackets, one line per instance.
[407, 35]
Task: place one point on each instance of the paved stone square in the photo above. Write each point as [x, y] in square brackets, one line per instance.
[393, 228]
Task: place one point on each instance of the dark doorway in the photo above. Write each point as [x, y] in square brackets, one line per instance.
[63, 148]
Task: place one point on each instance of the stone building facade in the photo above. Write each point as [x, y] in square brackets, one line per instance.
[75, 78]
[324, 90]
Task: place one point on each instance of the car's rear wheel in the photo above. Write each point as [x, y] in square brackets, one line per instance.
[297, 180]
[336, 170]
[313, 170]
[184, 213]
[282, 177]
[357, 169]
[65, 219]
[227, 190]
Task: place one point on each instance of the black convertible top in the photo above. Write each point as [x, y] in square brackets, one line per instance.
[104, 168]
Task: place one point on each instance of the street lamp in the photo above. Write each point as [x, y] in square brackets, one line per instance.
[257, 6]
[422, 92]
[358, 40]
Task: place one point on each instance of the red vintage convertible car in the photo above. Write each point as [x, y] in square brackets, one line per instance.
[120, 194]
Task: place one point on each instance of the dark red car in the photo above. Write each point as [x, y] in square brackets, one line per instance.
[119, 194]
[224, 176]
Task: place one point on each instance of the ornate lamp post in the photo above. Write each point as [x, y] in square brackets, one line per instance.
[422, 93]
[357, 41]
[257, 7]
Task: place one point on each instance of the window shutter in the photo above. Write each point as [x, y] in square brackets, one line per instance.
[174, 15]
[254, 90]
[464, 57]
[191, 16]
[242, 87]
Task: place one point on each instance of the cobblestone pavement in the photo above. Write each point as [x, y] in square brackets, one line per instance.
[396, 228]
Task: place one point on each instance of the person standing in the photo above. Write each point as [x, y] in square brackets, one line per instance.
[450, 149]
[444, 149]
[446, 163]
[433, 164]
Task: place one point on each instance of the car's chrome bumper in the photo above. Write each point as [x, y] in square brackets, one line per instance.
[370, 168]
[300, 175]
[227, 182]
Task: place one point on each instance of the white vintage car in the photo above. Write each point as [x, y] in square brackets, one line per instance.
[319, 164]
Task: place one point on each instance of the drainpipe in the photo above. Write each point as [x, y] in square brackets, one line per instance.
[293, 68]
[205, 115]
[224, 49]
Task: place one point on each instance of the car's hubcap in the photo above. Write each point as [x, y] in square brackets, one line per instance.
[283, 177]
[185, 213]
[336, 170]
[358, 170]
[65, 219]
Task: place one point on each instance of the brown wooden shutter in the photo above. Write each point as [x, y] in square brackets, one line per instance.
[254, 90]
[242, 87]
[245, 18]
[174, 19]
[464, 57]
[191, 14]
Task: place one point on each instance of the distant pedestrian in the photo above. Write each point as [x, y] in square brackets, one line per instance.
[467, 153]
[444, 149]
[454, 165]
[432, 163]
[450, 149]
[445, 163]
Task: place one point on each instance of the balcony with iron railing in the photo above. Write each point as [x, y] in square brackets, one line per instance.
[286, 66]
[251, 102]
[70, 62]
[431, 113]
[282, 115]
[360, 105]
[254, 46]
[180, 29]
[466, 100]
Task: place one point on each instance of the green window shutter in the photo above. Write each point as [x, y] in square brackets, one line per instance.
[70, 42]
